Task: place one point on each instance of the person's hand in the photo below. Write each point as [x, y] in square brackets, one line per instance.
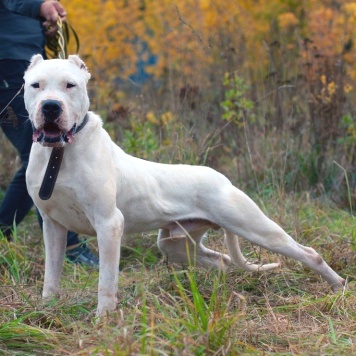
[50, 10]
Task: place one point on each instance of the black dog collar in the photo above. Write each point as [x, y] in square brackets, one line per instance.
[54, 165]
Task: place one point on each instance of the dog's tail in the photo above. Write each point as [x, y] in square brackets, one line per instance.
[233, 246]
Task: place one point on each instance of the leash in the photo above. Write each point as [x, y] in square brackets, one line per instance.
[57, 47]
[13, 98]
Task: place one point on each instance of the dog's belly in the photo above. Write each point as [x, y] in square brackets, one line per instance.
[140, 217]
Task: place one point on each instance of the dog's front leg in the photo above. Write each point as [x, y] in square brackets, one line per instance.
[54, 236]
[109, 235]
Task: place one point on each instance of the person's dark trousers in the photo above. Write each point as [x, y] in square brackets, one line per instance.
[18, 129]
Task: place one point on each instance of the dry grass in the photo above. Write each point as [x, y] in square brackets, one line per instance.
[177, 310]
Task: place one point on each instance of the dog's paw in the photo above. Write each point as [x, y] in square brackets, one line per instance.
[339, 287]
[106, 305]
[50, 293]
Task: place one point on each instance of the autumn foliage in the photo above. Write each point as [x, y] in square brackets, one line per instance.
[195, 36]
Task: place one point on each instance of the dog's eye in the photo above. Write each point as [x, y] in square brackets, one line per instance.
[70, 85]
[35, 85]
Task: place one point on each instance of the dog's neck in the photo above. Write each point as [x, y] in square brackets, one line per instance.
[84, 122]
[54, 165]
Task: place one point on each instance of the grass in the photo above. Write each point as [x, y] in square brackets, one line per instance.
[181, 310]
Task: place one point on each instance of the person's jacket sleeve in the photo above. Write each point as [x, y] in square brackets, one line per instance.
[28, 8]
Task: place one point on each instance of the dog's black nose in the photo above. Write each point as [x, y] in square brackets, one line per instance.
[51, 109]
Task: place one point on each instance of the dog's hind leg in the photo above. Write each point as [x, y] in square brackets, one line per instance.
[187, 248]
[242, 217]
[237, 257]
[55, 239]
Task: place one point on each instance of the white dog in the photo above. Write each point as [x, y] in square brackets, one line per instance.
[101, 190]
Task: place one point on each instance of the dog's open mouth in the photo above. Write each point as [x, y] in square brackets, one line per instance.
[51, 135]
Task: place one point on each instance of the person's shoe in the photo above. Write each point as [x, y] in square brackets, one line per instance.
[6, 232]
[82, 255]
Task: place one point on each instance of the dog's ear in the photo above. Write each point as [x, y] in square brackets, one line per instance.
[73, 58]
[37, 58]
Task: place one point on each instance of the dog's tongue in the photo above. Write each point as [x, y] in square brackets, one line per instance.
[70, 136]
[51, 130]
[36, 135]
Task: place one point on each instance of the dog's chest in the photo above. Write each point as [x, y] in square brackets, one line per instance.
[67, 211]
[63, 206]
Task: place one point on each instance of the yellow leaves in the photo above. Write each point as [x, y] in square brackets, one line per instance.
[350, 10]
[201, 39]
[163, 120]
[151, 117]
[347, 88]
[331, 88]
[328, 89]
[104, 32]
[325, 14]
[287, 20]
[167, 117]
[205, 4]
[326, 28]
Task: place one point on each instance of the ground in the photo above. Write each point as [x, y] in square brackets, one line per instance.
[182, 310]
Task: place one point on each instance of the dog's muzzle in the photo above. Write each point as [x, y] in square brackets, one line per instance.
[50, 134]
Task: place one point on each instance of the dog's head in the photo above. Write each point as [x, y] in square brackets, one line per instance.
[56, 98]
